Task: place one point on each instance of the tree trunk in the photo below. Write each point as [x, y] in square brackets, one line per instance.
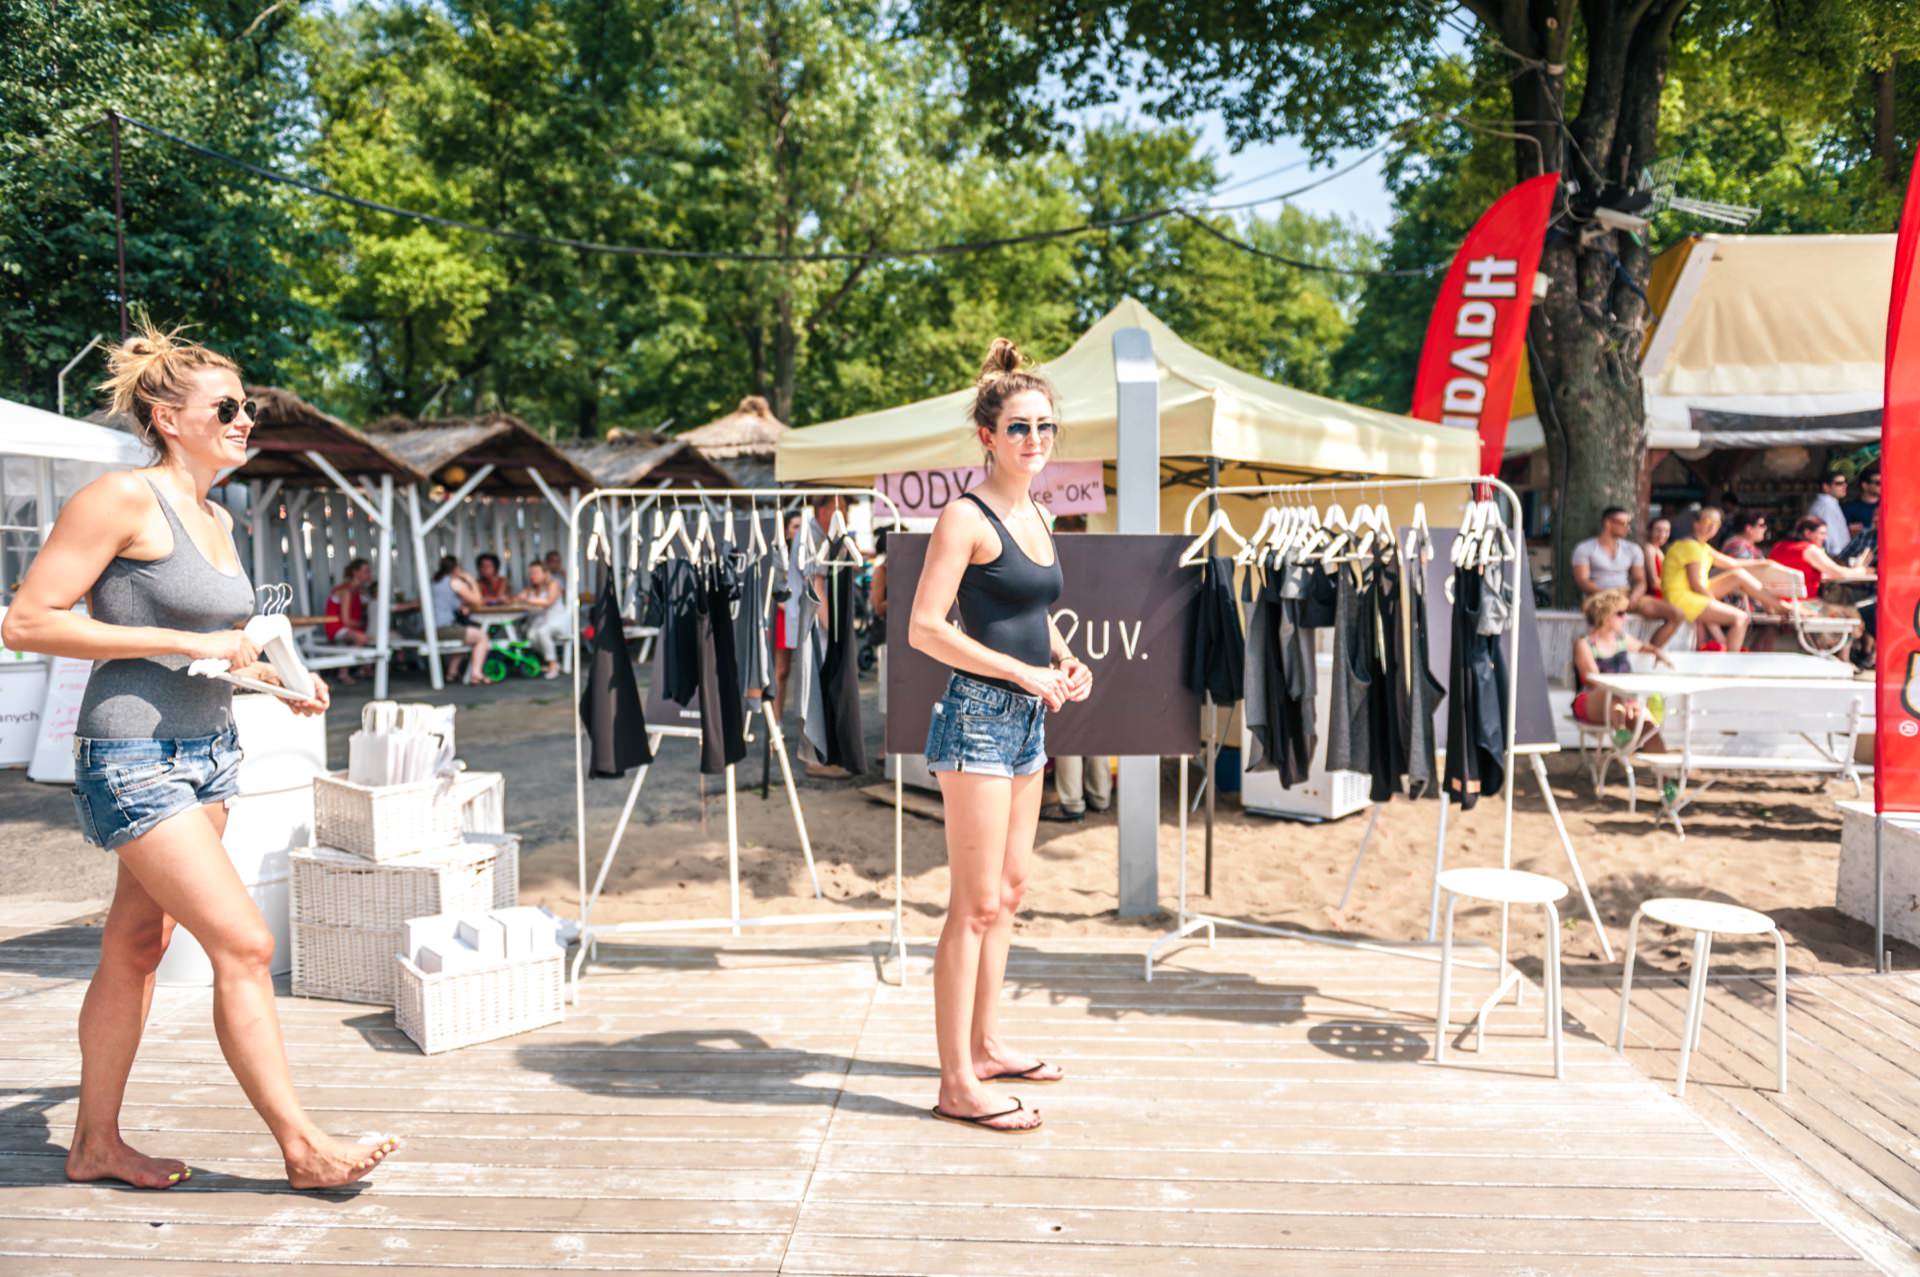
[1586, 334]
[1886, 146]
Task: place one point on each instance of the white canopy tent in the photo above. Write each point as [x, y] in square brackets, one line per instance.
[1761, 341]
[44, 459]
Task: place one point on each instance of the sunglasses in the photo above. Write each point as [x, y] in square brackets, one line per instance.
[1021, 429]
[228, 408]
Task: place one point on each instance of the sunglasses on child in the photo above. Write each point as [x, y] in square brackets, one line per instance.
[1018, 429]
[228, 408]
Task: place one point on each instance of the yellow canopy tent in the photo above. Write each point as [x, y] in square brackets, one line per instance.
[1259, 430]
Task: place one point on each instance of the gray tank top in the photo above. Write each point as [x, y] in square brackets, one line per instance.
[153, 697]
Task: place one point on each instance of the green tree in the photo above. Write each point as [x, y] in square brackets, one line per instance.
[204, 244]
[1583, 87]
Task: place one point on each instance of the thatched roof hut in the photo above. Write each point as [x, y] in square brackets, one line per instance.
[450, 449]
[635, 459]
[288, 427]
[745, 440]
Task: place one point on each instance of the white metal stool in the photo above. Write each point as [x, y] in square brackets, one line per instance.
[1502, 887]
[1706, 919]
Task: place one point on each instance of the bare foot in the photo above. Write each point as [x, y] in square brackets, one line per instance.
[998, 1114]
[329, 1163]
[989, 1064]
[91, 1160]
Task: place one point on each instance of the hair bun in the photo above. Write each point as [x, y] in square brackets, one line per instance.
[1002, 358]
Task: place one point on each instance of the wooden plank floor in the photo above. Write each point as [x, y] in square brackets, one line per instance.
[1264, 1107]
[1845, 1138]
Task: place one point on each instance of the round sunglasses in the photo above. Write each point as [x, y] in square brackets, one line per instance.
[227, 408]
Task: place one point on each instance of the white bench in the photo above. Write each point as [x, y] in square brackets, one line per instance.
[1722, 725]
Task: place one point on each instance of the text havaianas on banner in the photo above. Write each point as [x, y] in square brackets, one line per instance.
[1476, 336]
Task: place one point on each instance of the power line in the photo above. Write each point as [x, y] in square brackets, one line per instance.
[829, 255]
[1241, 244]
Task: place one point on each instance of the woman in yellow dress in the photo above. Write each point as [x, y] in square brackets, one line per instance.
[1696, 578]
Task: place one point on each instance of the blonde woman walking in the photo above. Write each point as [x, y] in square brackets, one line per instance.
[156, 756]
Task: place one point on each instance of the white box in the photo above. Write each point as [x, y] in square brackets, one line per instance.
[1854, 890]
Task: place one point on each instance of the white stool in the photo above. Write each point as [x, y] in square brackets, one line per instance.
[1706, 918]
[1503, 887]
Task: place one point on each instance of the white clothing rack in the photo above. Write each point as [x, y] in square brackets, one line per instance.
[583, 930]
[1190, 922]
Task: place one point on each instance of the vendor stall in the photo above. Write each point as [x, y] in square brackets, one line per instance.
[1218, 424]
[744, 442]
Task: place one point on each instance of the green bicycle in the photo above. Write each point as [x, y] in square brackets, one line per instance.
[509, 656]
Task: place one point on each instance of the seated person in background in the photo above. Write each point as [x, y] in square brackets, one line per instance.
[1690, 584]
[1805, 552]
[1864, 509]
[1604, 650]
[347, 610]
[453, 593]
[1611, 562]
[493, 587]
[556, 568]
[1659, 532]
[1744, 540]
[550, 624]
[1826, 508]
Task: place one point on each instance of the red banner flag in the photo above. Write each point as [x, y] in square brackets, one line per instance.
[1477, 334]
[1896, 759]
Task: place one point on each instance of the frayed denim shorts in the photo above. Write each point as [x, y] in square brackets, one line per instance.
[987, 730]
[123, 788]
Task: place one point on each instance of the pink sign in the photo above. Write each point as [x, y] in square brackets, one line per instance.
[1064, 487]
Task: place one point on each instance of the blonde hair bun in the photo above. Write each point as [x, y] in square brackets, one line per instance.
[153, 367]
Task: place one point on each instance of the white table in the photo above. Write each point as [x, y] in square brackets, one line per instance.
[1765, 683]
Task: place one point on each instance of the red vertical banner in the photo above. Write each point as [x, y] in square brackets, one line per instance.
[1476, 336]
[1896, 761]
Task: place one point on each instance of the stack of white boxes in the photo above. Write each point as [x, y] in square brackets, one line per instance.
[383, 854]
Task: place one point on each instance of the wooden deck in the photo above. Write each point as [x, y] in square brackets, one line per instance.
[1846, 1137]
[1264, 1107]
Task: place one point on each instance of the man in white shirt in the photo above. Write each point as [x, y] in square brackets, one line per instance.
[1612, 562]
[1826, 508]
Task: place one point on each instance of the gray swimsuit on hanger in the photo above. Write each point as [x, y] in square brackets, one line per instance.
[153, 697]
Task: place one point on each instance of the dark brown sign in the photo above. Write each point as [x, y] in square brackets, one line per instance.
[1124, 612]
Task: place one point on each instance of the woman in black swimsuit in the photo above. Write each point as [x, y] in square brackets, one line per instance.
[993, 555]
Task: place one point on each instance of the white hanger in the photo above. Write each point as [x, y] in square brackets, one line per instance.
[757, 535]
[1255, 545]
[599, 544]
[838, 538]
[1217, 522]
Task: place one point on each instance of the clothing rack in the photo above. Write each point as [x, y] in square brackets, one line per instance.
[1190, 922]
[583, 930]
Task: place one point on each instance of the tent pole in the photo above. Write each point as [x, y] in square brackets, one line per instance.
[383, 607]
[424, 583]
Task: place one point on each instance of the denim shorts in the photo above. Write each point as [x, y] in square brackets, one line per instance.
[123, 788]
[987, 730]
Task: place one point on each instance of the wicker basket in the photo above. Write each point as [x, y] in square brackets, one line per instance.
[339, 890]
[383, 822]
[347, 912]
[452, 1009]
[347, 964]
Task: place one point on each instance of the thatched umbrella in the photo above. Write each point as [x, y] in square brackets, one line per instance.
[635, 459]
[744, 441]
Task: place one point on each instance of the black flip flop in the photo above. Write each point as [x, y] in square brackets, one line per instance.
[1026, 1075]
[982, 1120]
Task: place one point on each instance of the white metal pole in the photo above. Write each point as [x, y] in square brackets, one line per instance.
[423, 582]
[580, 757]
[383, 605]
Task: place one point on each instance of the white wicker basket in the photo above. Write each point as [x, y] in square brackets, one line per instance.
[348, 911]
[347, 964]
[382, 822]
[339, 890]
[452, 1009]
